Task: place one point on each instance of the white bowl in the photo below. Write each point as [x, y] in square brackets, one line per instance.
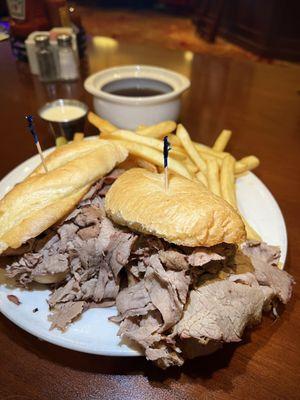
[129, 112]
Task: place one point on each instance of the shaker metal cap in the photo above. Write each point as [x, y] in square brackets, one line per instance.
[41, 40]
[64, 40]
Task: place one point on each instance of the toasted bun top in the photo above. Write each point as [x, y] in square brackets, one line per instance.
[186, 214]
[43, 199]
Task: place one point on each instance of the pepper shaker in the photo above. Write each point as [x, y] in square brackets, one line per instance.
[45, 59]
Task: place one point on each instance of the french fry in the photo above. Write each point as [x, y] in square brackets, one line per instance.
[246, 164]
[201, 148]
[60, 141]
[241, 166]
[227, 180]
[228, 192]
[222, 140]
[202, 178]
[100, 123]
[189, 147]
[134, 162]
[190, 169]
[144, 140]
[190, 165]
[174, 140]
[179, 150]
[213, 176]
[153, 156]
[158, 130]
[146, 165]
[204, 151]
[78, 136]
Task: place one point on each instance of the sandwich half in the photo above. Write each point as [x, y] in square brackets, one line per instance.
[43, 199]
[192, 281]
[187, 214]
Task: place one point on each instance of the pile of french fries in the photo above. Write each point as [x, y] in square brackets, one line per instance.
[212, 166]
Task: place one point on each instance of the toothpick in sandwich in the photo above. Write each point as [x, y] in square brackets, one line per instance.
[31, 128]
[167, 148]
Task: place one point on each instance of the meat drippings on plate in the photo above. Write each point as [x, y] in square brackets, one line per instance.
[173, 302]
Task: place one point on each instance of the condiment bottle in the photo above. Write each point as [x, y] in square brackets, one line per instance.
[45, 58]
[61, 14]
[26, 16]
[67, 58]
[79, 30]
[54, 8]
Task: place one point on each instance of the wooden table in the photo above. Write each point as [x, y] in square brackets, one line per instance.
[261, 104]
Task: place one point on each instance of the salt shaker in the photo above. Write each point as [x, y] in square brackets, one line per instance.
[67, 58]
[45, 59]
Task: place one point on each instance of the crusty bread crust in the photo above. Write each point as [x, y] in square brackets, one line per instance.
[43, 199]
[187, 214]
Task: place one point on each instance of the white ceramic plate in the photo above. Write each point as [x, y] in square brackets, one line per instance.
[93, 333]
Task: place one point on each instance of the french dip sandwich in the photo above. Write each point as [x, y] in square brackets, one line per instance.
[43, 199]
[175, 263]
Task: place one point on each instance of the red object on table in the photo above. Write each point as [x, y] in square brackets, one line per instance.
[27, 16]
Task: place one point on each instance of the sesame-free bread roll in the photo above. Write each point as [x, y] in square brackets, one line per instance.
[186, 214]
[43, 199]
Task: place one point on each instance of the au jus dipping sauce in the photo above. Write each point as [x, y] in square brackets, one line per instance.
[137, 87]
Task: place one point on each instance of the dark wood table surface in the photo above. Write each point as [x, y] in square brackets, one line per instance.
[261, 104]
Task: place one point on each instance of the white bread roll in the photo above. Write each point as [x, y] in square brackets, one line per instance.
[187, 214]
[43, 199]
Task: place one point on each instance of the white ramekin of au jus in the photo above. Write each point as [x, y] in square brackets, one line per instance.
[134, 95]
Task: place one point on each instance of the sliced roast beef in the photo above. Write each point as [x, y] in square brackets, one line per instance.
[149, 308]
[134, 301]
[64, 293]
[200, 257]
[144, 331]
[246, 278]
[119, 250]
[53, 264]
[167, 291]
[154, 301]
[164, 290]
[44, 260]
[165, 354]
[172, 259]
[21, 270]
[220, 311]
[265, 260]
[136, 271]
[249, 279]
[66, 314]
[96, 263]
